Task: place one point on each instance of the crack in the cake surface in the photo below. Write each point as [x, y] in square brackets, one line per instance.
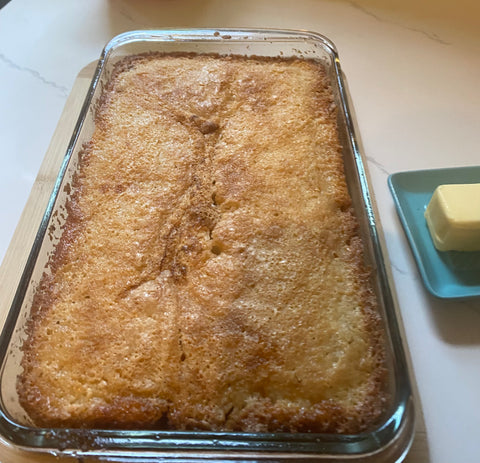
[183, 356]
[197, 208]
[229, 412]
[200, 197]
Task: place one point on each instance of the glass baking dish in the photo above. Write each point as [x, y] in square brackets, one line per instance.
[390, 440]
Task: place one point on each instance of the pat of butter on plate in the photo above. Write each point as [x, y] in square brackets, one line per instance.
[453, 217]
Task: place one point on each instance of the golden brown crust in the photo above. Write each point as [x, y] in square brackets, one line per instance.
[210, 274]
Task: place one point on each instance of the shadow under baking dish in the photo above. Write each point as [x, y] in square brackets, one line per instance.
[449, 274]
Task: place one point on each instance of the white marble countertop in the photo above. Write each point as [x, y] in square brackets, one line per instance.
[413, 70]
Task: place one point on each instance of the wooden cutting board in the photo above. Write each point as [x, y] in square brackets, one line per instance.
[23, 238]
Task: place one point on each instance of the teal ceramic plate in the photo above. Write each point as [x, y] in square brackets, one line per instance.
[448, 274]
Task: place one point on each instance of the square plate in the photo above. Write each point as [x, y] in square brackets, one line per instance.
[449, 274]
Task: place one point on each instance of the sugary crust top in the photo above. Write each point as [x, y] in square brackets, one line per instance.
[210, 274]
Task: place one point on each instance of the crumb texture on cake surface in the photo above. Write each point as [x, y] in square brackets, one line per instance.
[210, 274]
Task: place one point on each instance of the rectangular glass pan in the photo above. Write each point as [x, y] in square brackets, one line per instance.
[389, 441]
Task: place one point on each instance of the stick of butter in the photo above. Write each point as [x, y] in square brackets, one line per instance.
[453, 217]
